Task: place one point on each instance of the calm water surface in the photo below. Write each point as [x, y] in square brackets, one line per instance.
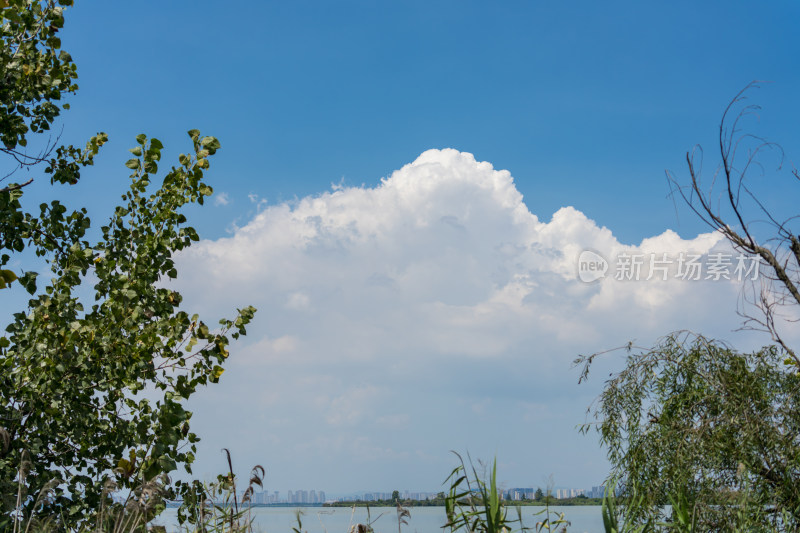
[584, 519]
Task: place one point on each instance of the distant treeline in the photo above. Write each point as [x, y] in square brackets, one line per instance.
[439, 502]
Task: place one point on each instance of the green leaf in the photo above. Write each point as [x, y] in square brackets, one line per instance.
[167, 464]
[132, 164]
[7, 276]
[28, 280]
[210, 142]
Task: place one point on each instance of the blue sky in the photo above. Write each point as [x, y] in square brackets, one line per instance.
[585, 104]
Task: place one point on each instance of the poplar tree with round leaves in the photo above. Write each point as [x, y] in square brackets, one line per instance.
[92, 390]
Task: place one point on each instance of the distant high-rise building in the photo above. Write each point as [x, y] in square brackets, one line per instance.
[597, 491]
[522, 493]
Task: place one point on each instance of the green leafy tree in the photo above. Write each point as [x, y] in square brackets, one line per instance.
[92, 391]
[395, 495]
[35, 75]
[35, 72]
[713, 432]
[693, 423]
[539, 495]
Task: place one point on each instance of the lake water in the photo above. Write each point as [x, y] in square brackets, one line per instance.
[584, 519]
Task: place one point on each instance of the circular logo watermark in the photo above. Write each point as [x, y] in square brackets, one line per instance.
[591, 266]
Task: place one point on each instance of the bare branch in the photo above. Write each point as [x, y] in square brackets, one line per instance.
[16, 186]
[780, 252]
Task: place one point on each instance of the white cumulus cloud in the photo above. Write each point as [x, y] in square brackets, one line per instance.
[430, 312]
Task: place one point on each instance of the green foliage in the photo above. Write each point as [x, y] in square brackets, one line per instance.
[215, 507]
[551, 521]
[437, 501]
[692, 424]
[613, 518]
[473, 503]
[6, 277]
[133, 511]
[710, 431]
[91, 394]
[73, 377]
[35, 72]
[50, 232]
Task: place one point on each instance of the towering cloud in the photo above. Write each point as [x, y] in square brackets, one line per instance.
[396, 320]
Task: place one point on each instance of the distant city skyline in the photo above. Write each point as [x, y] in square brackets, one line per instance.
[266, 497]
[302, 496]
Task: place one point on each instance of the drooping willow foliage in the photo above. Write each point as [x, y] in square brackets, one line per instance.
[711, 431]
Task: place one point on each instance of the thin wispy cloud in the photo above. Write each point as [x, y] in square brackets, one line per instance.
[222, 198]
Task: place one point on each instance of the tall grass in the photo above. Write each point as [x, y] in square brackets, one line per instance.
[472, 505]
